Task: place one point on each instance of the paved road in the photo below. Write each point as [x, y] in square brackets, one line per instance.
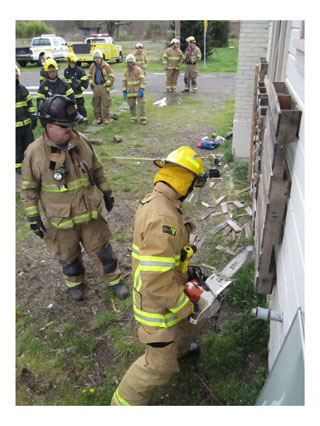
[217, 87]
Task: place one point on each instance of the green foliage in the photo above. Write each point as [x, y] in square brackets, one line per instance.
[217, 34]
[26, 29]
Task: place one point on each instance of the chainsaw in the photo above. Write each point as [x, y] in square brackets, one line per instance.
[208, 292]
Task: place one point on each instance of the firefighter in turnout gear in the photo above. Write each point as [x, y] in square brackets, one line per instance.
[141, 58]
[76, 77]
[159, 303]
[192, 56]
[172, 59]
[63, 177]
[54, 85]
[101, 80]
[42, 71]
[26, 121]
[133, 85]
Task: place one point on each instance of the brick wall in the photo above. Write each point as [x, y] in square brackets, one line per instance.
[253, 44]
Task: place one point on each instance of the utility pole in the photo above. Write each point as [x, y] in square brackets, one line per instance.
[177, 29]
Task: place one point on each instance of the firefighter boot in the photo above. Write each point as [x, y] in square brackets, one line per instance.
[77, 292]
[120, 290]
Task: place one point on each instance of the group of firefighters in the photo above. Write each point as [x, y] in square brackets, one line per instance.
[65, 191]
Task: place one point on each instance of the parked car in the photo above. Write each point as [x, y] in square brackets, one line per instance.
[110, 50]
[40, 46]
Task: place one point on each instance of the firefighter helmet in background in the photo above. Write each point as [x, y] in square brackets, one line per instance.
[181, 169]
[174, 41]
[191, 39]
[47, 56]
[58, 109]
[50, 65]
[72, 58]
[17, 71]
[130, 58]
[139, 45]
[97, 54]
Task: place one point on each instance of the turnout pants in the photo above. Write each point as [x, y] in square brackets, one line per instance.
[190, 76]
[24, 136]
[81, 108]
[101, 102]
[132, 102]
[94, 236]
[172, 79]
[156, 366]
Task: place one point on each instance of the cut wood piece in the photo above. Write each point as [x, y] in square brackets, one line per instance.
[234, 225]
[212, 184]
[247, 229]
[205, 204]
[208, 266]
[199, 244]
[224, 207]
[218, 228]
[218, 201]
[206, 214]
[248, 210]
[237, 204]
[193, 238]
[236, 244]
[226, 249]
[215, 214]
[243, 190]
[227, 230]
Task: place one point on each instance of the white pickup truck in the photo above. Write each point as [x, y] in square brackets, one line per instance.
[40, 46]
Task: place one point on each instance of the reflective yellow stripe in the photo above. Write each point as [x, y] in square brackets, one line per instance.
[71, 284]
[26, 184]
[104, 187]
[76, 220]
[21, 104]
[32, 211]
[183, 300]
[131, 83]
[23, 123]
[155, 320]
[116, 281]
[72, 186]
[69, 92]
[41, 96]
[119, 400]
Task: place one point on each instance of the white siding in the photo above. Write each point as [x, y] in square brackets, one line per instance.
[288, 293]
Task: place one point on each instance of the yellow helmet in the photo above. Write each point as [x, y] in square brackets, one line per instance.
[47, 56]
[182, 169]
[50, 63]
[130, 58]
[191, 39]
[72, 57]
[17, 71]
[174, 41]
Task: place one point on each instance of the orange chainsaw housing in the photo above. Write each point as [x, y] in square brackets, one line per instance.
[192, 290]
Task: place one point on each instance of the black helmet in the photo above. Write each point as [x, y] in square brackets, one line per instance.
[58, 109]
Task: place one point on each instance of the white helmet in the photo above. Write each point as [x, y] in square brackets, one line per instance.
[139, 45]
[130, 58]
[97, 54]
[17, 71]
[174, 41]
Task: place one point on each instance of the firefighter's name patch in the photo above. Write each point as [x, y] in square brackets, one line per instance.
[167, 229]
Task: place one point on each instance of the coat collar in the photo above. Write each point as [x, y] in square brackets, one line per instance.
[169, 193]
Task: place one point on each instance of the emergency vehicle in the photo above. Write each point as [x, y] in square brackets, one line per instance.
[110, 50]
[40, 46]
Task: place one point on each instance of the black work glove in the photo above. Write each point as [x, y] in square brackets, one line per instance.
[108, 200]
[33, 121]
[37, 226]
